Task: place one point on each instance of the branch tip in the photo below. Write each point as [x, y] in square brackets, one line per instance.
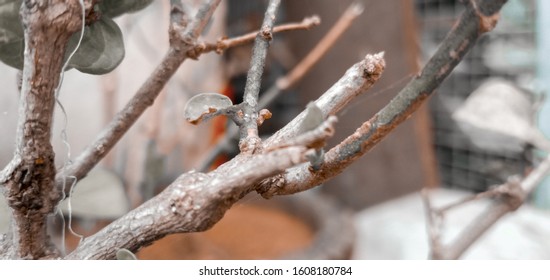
[374, 65]
[356, 9]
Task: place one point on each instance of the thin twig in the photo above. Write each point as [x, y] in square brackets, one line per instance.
[487, 194]
[434, 225]
[322, 132]
[109, 87]
[343, 23]
[226, 43]
[249, 139]
[290, 79]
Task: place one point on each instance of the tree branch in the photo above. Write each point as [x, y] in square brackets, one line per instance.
[182, 45]
[298, 72]
[474, 21]
[290, 79]
[358, 79]
[29, 178]
[434, 225]
[154, 84]
[249, 139]
[510, 196]
[226, 43]
[194, 202]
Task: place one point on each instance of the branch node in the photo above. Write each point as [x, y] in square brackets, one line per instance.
[374, 65]
[251, 144]
[266, 34]
[264, 114]
[270, 187]
[512, 193]
[486, 22]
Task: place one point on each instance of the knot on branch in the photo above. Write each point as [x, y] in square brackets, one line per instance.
[221, 45]
[251, 144]
[486, 22]
[29, 188]
[196, 50]
[271, 186]
[373, 66]
[266, 34]
[512, 193]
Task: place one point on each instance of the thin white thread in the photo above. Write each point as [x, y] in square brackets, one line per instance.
[69, 210]
[369, 96]
[63, 135]
[62, 74]
[63, 246]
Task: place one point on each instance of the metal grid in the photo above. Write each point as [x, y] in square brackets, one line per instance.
[461, 164]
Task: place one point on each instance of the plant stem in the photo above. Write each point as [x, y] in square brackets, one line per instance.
[249, 139]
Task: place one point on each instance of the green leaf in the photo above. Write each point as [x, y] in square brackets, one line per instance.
[11, 34]
[101, 50]
[204, 106]
[114, 8]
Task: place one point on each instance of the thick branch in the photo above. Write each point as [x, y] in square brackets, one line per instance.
[181, 46]
[249, 129]
[194, 202]
[475, 21]
[29, 178]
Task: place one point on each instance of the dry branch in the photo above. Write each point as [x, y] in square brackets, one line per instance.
[196, 201]
[226, 43]
[29, 179]
[508, 197]
[249, 139]
[290, 79]
[193, 202]
[181, 43]
[474, 22]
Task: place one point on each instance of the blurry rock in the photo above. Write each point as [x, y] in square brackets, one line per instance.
[498, 117]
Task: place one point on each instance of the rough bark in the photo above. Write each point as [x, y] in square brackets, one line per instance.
[193, 202]
[29, 179]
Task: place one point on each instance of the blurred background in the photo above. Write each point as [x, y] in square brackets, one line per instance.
[372, 210]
